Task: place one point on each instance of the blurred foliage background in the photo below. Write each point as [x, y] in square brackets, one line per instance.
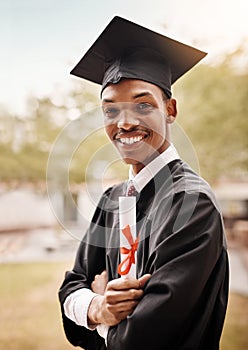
[213, 109]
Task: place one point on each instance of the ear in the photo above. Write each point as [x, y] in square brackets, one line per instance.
[171, 109]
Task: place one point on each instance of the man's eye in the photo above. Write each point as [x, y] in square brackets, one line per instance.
[144, 108]
[110, 112]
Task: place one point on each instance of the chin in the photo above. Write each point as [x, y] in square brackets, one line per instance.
[130, 161]
[141, 162]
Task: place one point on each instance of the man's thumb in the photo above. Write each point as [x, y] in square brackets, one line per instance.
[144, 279]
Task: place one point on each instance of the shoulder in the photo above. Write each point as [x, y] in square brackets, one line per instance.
[185, 180]
[110, 197]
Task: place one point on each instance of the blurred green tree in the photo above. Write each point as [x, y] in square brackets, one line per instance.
[213, 110]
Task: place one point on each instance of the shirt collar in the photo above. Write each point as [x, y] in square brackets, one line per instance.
[150, 170]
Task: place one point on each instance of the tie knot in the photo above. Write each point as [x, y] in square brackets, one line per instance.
[131, 190]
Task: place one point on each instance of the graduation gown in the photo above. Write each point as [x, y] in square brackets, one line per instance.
[182, 245]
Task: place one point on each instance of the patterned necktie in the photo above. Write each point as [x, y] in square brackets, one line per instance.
[131, 190]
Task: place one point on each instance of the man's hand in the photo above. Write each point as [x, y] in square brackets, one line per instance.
[119, 300]
[99, 284]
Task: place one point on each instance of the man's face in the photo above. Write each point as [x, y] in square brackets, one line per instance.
[135, 120]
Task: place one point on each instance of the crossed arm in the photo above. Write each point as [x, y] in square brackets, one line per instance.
[115, 300]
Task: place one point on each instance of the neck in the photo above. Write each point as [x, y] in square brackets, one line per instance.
[136, 168]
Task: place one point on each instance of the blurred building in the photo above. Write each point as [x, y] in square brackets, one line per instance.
[233, 199]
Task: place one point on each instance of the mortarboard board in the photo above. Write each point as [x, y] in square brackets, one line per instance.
[127, 50]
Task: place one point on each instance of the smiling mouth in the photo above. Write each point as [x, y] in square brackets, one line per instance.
[129, 139]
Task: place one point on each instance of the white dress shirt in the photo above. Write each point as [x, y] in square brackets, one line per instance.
[77, 303]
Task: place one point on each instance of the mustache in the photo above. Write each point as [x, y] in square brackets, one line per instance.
[133, 130]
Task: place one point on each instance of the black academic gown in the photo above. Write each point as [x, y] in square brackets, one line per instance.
[182, 246]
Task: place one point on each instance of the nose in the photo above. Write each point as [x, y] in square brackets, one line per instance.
[127, 119]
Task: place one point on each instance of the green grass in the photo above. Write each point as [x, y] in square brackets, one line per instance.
[30, 316]
[235, 333]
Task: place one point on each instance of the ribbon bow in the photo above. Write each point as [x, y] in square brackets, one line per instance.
[130, 258]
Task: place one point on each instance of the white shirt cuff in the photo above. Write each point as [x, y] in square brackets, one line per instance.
[76, 306]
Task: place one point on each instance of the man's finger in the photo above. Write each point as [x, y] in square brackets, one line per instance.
[143, 280]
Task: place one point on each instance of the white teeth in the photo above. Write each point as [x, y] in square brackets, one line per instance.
[130, 140]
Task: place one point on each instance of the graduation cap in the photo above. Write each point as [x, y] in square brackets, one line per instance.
[127, 50]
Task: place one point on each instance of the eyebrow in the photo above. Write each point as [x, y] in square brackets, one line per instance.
[107, 100]
[142, 94]
[139, 95]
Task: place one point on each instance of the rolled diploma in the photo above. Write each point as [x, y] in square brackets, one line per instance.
[127, 216]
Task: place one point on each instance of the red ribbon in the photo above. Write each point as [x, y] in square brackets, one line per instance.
[130, 258]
